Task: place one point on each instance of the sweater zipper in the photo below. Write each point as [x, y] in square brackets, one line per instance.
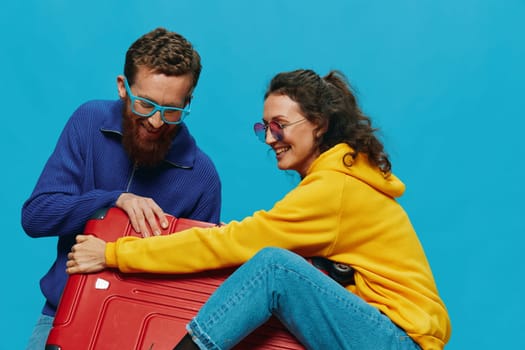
[131, 178]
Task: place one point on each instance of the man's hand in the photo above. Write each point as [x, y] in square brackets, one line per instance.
[143, 213]
[87, 255]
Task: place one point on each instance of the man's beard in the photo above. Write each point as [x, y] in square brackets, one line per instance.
[144, 153]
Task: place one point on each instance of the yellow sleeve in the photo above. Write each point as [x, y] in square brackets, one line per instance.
[306, 221]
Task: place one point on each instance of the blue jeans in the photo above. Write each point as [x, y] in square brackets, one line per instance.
[317, 310]
[38, 338]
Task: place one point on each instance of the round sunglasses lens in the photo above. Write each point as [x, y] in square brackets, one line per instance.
[260, 131]
[276, 130]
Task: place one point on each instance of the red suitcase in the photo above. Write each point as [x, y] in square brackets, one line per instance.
[111, 310]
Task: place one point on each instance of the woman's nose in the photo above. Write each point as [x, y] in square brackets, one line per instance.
[269, 137]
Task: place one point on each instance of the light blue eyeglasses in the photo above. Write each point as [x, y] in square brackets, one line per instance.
[146, 108]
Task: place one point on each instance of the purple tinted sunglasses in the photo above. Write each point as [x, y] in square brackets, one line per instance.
[275, 128]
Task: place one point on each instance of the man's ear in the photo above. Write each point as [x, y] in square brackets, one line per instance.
[188, 100]
[121, 87]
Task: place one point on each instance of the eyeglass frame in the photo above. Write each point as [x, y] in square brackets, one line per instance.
[157, 108]
[265, 126]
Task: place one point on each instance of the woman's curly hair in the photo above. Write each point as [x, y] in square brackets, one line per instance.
[330, 103]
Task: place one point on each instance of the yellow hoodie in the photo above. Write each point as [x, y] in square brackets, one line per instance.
[347, 214]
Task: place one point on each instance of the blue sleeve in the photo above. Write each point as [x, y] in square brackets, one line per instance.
[62, 200]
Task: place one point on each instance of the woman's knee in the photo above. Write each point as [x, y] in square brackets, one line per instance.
[275, 256]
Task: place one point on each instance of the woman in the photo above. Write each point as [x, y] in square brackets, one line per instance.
[343, 209]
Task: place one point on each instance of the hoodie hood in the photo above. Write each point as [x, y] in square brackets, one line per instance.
[361, 169]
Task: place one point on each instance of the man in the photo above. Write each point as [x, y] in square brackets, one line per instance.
[134, 153]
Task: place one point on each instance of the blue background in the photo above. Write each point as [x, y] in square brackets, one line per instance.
[443, 80]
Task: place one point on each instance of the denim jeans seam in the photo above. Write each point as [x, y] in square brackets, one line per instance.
[375, 318]
[200, 337]
[391, 328]
[234, 299]
[285, 285]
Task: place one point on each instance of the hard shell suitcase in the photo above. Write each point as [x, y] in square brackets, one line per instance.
[111, 310]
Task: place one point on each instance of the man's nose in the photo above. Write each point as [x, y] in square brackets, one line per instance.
[156, 120]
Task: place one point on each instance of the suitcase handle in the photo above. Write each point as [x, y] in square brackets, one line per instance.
[100, 214]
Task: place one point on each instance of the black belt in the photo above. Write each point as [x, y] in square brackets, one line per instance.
[341, 273]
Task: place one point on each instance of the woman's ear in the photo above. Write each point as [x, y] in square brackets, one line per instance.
[321, 130]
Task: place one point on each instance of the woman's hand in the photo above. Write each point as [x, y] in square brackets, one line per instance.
[87, 255]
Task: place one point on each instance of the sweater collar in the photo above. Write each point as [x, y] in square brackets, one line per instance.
[183, 148]
[361, 169]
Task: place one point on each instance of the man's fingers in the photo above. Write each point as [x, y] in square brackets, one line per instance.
[161, 217]
[133, 219]
[144, 213]
[138, 221]
[152, 220]
[144, 229]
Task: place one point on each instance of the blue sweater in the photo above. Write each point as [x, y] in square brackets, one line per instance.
[89, 169]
